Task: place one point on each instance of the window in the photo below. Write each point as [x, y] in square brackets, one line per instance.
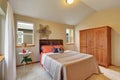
[25, 33]
[20, 37]
[69, 36]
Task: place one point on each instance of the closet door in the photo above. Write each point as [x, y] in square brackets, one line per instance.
[83, 42]
[100, 35]
[90, 41]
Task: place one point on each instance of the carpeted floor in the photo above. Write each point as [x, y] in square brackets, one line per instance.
[36, 72]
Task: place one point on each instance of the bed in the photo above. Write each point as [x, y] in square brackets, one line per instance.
[70, 65]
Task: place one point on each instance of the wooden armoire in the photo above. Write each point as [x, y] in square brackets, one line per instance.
[97, 42]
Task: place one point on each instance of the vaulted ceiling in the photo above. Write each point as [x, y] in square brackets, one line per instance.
[59, 11]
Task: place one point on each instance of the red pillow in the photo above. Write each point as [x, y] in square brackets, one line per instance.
[47, 49]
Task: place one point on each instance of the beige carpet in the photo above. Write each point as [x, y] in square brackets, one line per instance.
[36, 72]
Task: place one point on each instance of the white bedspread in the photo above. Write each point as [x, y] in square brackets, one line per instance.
[70, 65]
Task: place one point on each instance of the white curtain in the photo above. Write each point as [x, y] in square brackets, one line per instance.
[10, 55]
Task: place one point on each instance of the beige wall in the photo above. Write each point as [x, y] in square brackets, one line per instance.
[0, 34]
[0, 50]
[3, 6]
[2, 25]
[107, 17]
[58, 32]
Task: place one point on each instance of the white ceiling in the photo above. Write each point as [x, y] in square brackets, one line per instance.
[59, 11]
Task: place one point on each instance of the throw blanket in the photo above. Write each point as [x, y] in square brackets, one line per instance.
[70, 65]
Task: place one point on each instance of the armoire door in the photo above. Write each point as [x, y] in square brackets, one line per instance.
[100, 35]
[83, 41]
[90, 41]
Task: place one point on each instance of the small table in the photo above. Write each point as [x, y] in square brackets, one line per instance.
[25, 60]
[26, 57]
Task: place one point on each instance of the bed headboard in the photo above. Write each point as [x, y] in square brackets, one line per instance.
[50, 42]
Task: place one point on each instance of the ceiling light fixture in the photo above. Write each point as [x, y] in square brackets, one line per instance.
[69, 1]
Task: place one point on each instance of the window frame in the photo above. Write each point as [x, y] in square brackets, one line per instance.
[70, 37]
[32, 34]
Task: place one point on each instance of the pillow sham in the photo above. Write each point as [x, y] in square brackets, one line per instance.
[47, 49]
[59, 46]
[52, 48]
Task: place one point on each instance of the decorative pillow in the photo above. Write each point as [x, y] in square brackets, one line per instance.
[59, 46]
[60, 50]
[55, 50]
[47, 49]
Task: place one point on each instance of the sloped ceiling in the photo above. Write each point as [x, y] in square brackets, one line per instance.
[59, 11]
[102, 4]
